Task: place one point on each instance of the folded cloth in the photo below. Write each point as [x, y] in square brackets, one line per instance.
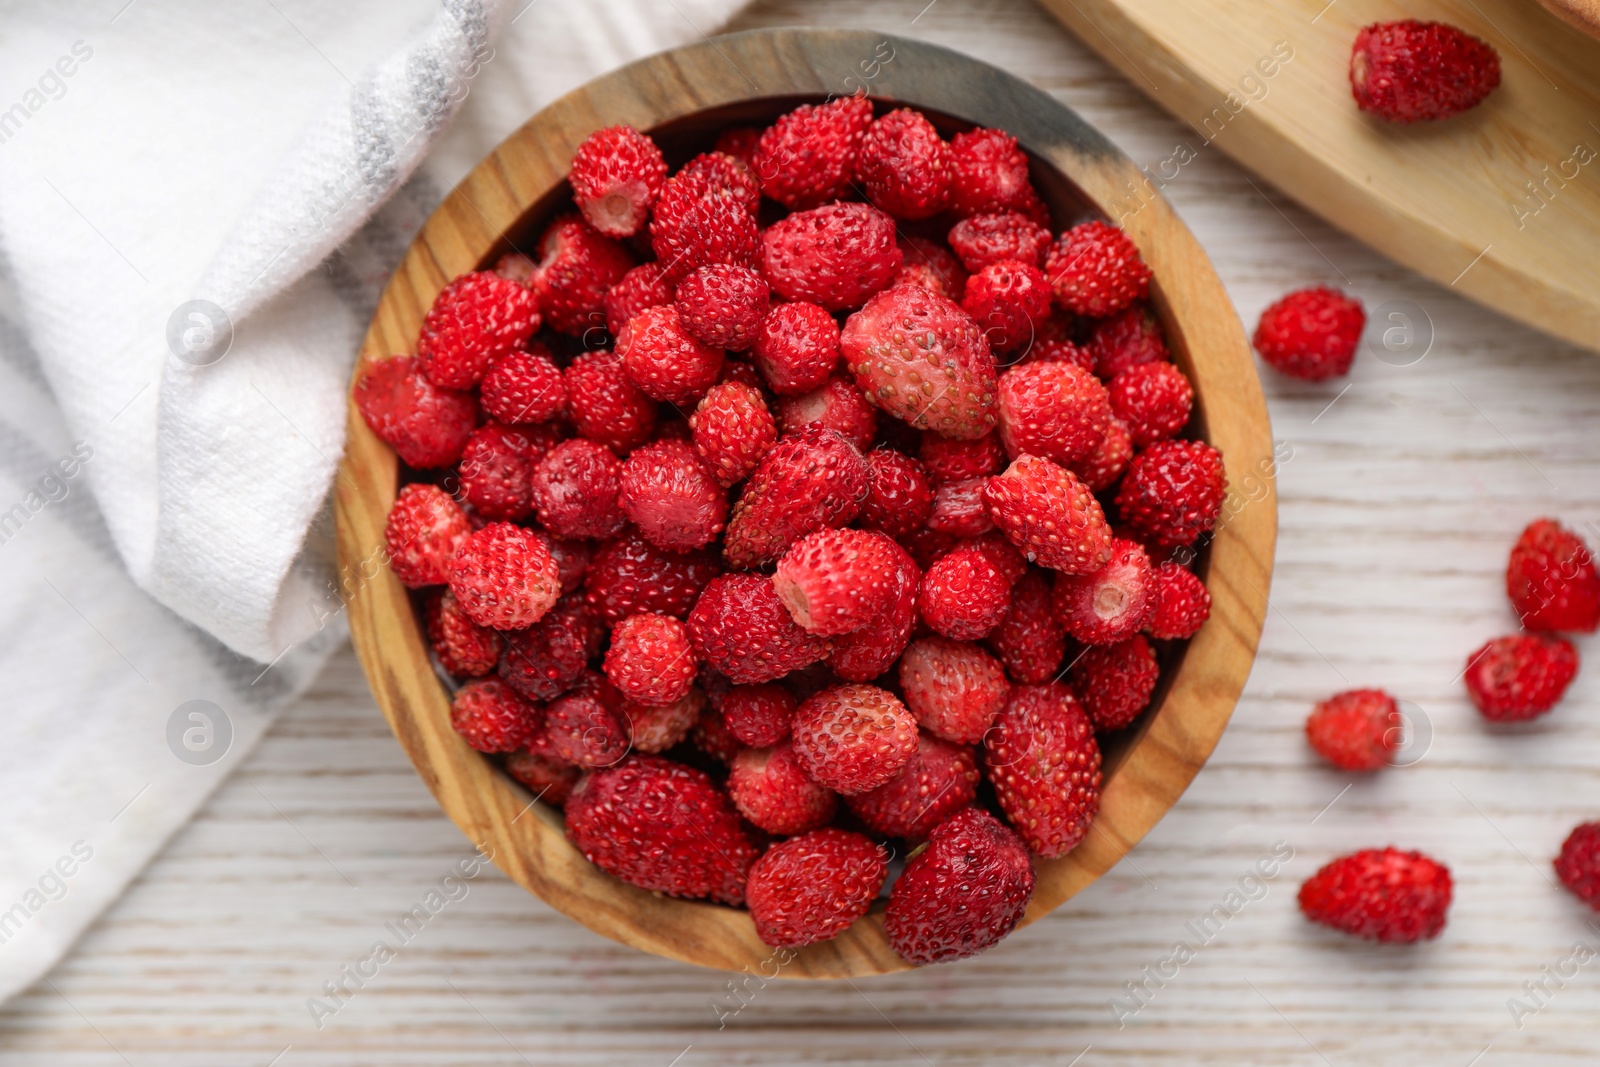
[198, 206]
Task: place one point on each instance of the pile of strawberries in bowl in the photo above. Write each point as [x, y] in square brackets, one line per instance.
[818, 502]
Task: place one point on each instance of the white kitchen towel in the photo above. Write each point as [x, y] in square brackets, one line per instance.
[198, 205]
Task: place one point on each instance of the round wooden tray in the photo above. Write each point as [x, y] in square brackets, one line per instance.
[682, 97]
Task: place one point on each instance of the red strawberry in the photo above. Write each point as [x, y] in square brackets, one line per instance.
[983, 240]
[724, 170]
[664, 360]
[549, 781]
[712, 737]
[810, 481]
[899, 495]
[474, 320]
[524, 387]
[1115, 682]
[837, 581]
[954, 689]
[699, 221]
[1057, 411]
[991, 173]
[504, 577]
[577, 267]
[1311, 333]
[463, 648]
[732, 430]
[836, 405]
[1110, 604]
[604, 403]
[1380, 894]
[739, 142]
[1010, 300]
[1049, 515]
[1520, 677]
[496, 468]
[814, 887]
[1182, 603]
[639, 289]
[1357, 730]
[1003, 554]
[585, 725]
[1130, 338]
[656, 728]
[650, 660]
[1578, 865]
[424, 530]
[928, 546]
[1552, 581]
[904, 166]
[576, 490]
[425, 425]
[741, 629]
[796, 347]
[722, 305]
[852, 738]
[931, 265]
[1095, 270]
[940, 780]
[663, 827]
[770, 788]
[950, 460]
[964, 595]
[1153, 401]
[963, 893]
[836, 255]
[1101, 468]
[547, 658]
[922, 359]
[671, 496]
[1030, 640]
[490, 716]
[629, 575]
[759, 715]
[1412, 71]
[1043, 761]
[1173, 492]
[959, 509]
[868, 652]
[616, 176]
[516, 267]
[808, 156]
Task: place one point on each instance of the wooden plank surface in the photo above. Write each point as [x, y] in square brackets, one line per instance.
[1397, 505]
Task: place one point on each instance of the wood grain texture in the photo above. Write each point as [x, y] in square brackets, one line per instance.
[1584, 14]
[691, 91]
[1502, 203]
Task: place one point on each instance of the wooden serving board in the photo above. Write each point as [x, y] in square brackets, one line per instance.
[1501, 203]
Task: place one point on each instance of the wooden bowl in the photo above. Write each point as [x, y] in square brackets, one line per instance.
[682, 97]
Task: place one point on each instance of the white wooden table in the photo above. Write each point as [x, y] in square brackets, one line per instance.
[1402, 496]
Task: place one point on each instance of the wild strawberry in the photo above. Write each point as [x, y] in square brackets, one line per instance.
[642, 287]
[1130, 338]
[922, 359]
[1113, 603]
[964, 595]
[931, 265]
[951, 460]
[1358, 730]
[1182, 603]
[1003, 554]
[585, 725]
[516, 267]
[1172, 492]
[759, 715]
[616, 176]
[576, 490]
[1009, 300]
[940, 780]
[991, 173]
[1381, 895]
[712, 737]
[1044, 763]
[1057, 411]
[549, 781]
[629, 575]
[1413, 71]
[657, 727]
[699, 221]
[650, 660]
[899, 494]
[809, 481]
[490, 716]
[577, 267]
[463, 648]
[722, 305]
[1052, 518]
[739, 142]
[1095, 270]
[546, 659]
[837, 581]
[796, 347]
[836, 255]
[664, 360]
[963, 893]
[496, 466]
[866, 653]
[836, 405]
[959, 509]
[670, 495]
[808, 156]
[1115, 682]
[814, 887]
[732, 430]
[663, 827]
[504, 577]
[1152, 400]
[1520, 677]
[904, 166]
[524, 387]
[954, 689]
[1552, 581]
[1311, 333]
[1030, 640]
[928, 547]
[771, 789]
[426, 426]
[1101, 468]
[852, 738]
[741, 629]
[1578, 865]
[722, 170]
[474, 320]
[424, 530]
[604, 403]
[982, 240]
